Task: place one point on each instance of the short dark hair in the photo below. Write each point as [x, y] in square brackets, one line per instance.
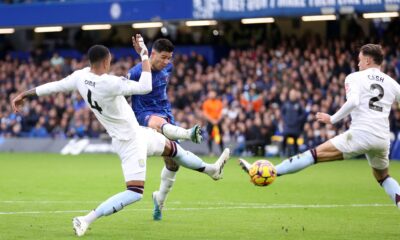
[163, 45]
[98, 53]
[374, 51]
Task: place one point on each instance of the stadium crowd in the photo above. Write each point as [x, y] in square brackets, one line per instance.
[253, 85]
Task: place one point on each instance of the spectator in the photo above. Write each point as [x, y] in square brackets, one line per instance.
[212, 111]
[293, 116]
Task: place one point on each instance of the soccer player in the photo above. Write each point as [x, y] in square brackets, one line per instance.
[154, 110]
[104, 94]
[370, 94]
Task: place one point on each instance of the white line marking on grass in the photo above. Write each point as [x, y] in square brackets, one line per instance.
[274, 206]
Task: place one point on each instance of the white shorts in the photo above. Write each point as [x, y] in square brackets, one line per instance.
[133, 153]
[355, 142]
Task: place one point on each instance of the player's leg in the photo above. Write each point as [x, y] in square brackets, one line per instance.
[159, 145]
[221, 142]
[284, 153]
[323, 153]
[168, 175]
[189, 160]
[174, 132]
[169, 171]
[175, 155]
[379, 162]
[389, 184]
[209, 128]
[133, 158]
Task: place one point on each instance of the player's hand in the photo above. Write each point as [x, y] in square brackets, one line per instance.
[324, 118]
[139, 45]
[17, 102]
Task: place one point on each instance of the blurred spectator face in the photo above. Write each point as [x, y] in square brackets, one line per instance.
[160, 60]
[293, 95]
[212, 95]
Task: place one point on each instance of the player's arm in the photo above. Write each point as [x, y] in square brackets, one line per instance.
[144, 85]
[65, 85]
[353, 100]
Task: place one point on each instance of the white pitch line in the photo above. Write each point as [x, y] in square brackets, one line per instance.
[275, 206]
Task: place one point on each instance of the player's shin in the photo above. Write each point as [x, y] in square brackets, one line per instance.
[116, 203]
[189, 160]
[167, 181]
[175, 133]
[296, 163]
[392, 189]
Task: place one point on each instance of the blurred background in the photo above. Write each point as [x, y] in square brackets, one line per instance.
[271, 63]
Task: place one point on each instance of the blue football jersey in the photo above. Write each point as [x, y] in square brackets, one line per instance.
[157, 99]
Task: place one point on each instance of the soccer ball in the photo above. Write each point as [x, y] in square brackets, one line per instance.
[262, 173]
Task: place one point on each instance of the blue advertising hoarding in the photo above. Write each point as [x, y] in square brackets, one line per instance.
[68, 13]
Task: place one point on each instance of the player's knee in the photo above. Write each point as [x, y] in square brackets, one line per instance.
[170, 164]
[170, 149]
[172, 167]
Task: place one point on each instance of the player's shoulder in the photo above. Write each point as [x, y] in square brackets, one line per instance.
[135, 71]
[81, 72]
[136, 68]
[169, 67]
[354, 75]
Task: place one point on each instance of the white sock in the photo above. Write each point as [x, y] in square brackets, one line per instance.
[295, 163]
[116, 203]
[188, 159]
[175, 133]
[167, 181]
[392, 189]
[90, 217]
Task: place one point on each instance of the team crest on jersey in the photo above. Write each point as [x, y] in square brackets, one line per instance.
[347, 87]
[142, 163]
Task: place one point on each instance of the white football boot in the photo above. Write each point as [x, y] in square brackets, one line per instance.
[80, 226]
[220, 163]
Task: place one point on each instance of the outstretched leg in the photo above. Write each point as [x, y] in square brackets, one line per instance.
[323, 153]
[174, 132]
[133, 160]
[388, 183]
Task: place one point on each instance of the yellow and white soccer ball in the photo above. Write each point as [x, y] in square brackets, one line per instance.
[262, 173]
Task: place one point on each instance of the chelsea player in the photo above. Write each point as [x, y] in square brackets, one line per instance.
[154, 110]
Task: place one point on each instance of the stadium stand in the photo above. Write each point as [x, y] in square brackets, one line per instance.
[251, 82]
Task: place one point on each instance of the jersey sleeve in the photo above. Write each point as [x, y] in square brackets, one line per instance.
[352, 87]
[353, 99]
[123, 87]
[397, 91]
[67, 84]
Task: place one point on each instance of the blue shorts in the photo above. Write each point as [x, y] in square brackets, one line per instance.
[144, 117]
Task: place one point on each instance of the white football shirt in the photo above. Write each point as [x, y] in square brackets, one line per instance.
[105, 96]
[376, 92]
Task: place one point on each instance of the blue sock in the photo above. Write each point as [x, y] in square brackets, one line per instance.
[392, 189]
[188, 159]
[117, 202]
[296, 163]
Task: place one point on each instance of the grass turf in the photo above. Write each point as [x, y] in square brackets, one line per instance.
[40, 193]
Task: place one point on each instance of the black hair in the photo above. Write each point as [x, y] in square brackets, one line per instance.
[163, 45]
[374, 51]
[98, 53]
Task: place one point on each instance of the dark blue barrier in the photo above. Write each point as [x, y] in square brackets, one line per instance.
[208, 52]
[395, 150]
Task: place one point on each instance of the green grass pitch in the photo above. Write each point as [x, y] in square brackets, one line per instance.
[40, 193]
